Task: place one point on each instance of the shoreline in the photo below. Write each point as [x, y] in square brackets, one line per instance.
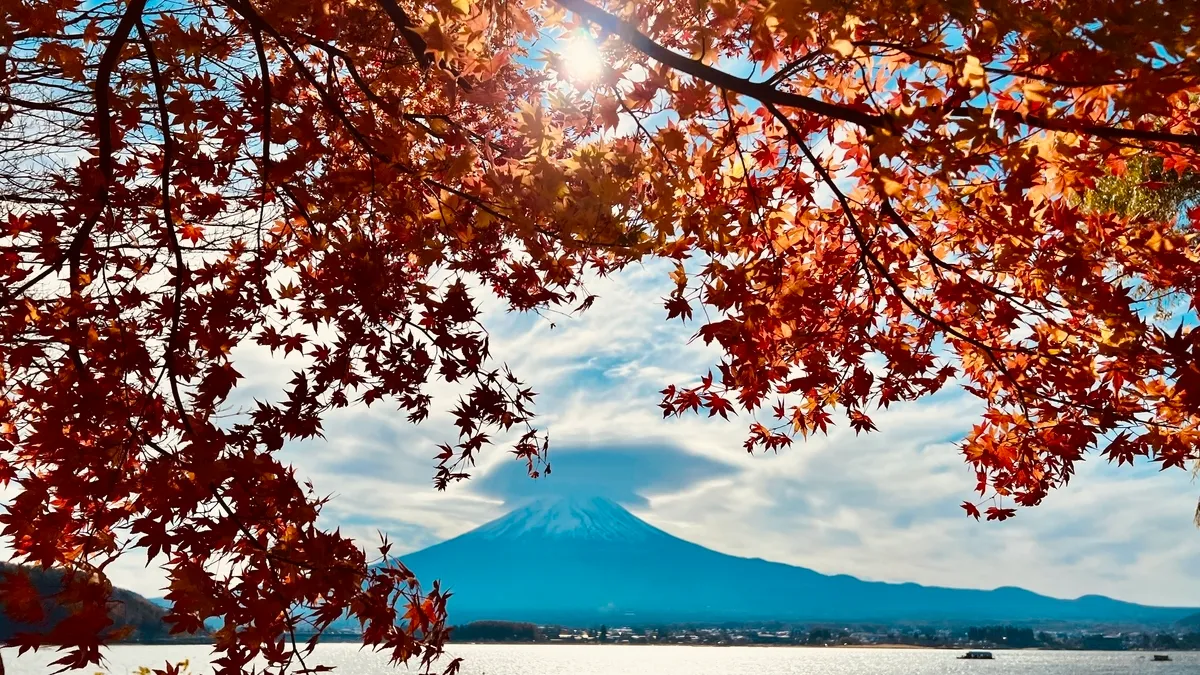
[349, 639]
[882, 646]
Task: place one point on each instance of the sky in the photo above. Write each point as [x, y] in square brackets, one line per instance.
[882, 506]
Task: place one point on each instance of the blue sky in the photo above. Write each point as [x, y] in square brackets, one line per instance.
[882, 506]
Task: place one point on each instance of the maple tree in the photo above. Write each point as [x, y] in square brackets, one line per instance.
[892, 197]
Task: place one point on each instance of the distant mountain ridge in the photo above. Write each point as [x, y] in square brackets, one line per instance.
[590, 560]
[134, 617]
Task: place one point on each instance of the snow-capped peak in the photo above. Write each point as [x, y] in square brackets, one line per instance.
[574, 517]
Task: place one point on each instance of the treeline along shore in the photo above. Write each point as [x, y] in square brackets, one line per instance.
[992, 637]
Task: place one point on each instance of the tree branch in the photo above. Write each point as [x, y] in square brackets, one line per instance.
[108, 63]
[1106, 132]
[180, 277]
[756, 90]
[407, 27]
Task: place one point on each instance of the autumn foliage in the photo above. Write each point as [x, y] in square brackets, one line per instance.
[868, 202]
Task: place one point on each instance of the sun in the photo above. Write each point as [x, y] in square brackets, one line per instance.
[581, 56]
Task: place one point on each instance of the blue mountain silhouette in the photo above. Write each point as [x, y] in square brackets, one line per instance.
[581, 560]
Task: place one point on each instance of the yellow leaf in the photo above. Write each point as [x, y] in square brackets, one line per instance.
[462, 162]
[438, 210]
[891, 186]
[843, 47]
[1157, 242]
[679, 276]
[463, 6]
[787, 239]
[1034, 91]
[973, 73]
[735, 170]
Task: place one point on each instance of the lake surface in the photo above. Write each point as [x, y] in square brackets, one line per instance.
[672, 660]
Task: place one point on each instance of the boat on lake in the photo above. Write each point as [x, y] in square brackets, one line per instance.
[1161, 657]
[976, 655]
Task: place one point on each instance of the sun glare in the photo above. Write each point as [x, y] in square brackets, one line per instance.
[582, 59]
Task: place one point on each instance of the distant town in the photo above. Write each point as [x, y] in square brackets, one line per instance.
[991, 637]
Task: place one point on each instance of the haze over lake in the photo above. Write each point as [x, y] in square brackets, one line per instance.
[672, 660]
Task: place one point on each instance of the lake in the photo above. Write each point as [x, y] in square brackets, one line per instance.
[674, 660]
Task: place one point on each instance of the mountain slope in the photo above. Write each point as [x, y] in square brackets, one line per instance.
[142, 618]
[574, 560]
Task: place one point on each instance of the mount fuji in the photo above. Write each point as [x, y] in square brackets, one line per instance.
[583, 560]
